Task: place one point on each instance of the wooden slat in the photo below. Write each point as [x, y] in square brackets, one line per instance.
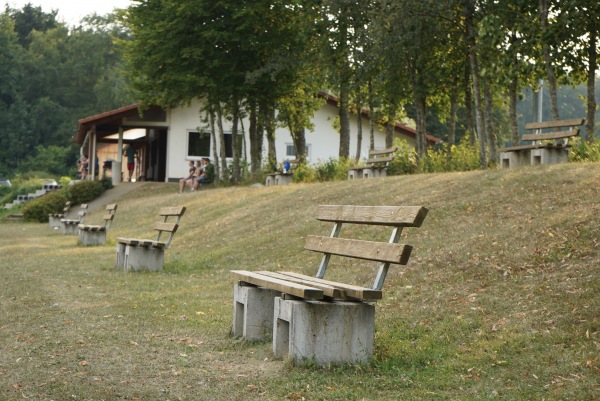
[550, 135]
[380, 160]
[85, 227]
[575, 122]
[399, 216]
[367, 250]
[287, 287]
[350, 291]
[111, 207]
[108, 216]
[172, 211]
[375, 152]
[328, 290]
[167, 227]
[141, 242]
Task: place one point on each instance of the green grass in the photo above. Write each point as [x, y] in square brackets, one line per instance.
[500, 300]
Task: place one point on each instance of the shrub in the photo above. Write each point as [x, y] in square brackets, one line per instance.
[304, 173]
[85, 191]
[405, 159]
[38, 209]
[332, 170]
[582, 151]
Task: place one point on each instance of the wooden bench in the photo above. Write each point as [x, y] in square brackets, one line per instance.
[550, 144]
[96, 234]
[146, 254]
[54, 218]
[282, 177]
[69, 226]
[376, 165]
[314, 318]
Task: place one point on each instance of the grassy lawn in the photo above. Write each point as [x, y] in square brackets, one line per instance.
[500, 301]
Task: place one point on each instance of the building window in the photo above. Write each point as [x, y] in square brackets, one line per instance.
[198, 144]
[290, 151]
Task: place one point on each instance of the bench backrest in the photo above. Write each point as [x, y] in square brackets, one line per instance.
[82, 211]
[109, 215]
[388, 253]
[169, 227]
[381, 157]
[541, 135]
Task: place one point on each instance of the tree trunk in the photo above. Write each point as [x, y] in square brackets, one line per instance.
[451, 127]
[513, 99]
[591, 86]
[213, 139]
[548, 60]
[299, 138]
[344, 151]
[222, 149]
[490, 134]
[470, 41]
[421, 110]
[372, 118]
[235, 143]
[255, 133]
[268, 117]
[389, 129]
[469, 107]
[358, 133]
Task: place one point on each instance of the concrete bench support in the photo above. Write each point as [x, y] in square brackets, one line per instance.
[69, 227]
[253, 312]
[326, 332]
[54, 220]
[142, 258]
[92, 237]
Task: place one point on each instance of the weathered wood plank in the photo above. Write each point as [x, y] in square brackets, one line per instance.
[348, 290]
[359, 249]
[376, 152]
[272, 283]
[551, 135]
[328, 290]
[380, 160]
[555, 124]
[172, 211]
[167, 227]
[400, 216]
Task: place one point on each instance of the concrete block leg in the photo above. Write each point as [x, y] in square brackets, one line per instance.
[253, 312]
[88, 237]
[120, 263]
[69, 229]
[326, 332]
[54, 222]
[138, 258]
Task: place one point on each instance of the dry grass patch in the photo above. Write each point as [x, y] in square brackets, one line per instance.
[500, 299]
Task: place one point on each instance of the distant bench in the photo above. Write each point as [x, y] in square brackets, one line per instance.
[96, 234]
[282, 177]
[69, 226]
[54, 218]
[540, 152]
[306, 315]
[376, 165]
[147, 254]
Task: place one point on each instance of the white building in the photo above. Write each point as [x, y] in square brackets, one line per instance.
[166, 139]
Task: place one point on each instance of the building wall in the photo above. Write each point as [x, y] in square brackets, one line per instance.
[323, 141]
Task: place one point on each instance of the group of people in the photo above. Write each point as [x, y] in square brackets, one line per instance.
[202, 172]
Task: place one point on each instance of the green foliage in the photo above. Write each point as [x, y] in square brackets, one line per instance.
[330, 170]
[85, 191]
[405, 159]
[53, 159]
[38, 209]
[463, 157]
[582, 151]
[305, 173]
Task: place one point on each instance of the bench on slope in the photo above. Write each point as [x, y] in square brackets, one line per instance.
[376, 165]
[547, 147]
[147, 254]
[96, 234]
[313, 318]
[69, 226]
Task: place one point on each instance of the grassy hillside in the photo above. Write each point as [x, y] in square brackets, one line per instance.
[500, 300]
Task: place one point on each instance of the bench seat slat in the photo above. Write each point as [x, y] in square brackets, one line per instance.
[349, 290]
[328, 290]
[359, 249]
[85, 227]
[287, 287]
[399, 216]
[550, 135]
[141, 242]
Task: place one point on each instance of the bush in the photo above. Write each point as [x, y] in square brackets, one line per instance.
[85, 191]
[405, 159]
[582, 151]
[39, 209]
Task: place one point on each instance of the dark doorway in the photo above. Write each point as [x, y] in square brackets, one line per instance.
[156, 168]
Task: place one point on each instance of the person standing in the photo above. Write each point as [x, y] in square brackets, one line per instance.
[129, 151]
